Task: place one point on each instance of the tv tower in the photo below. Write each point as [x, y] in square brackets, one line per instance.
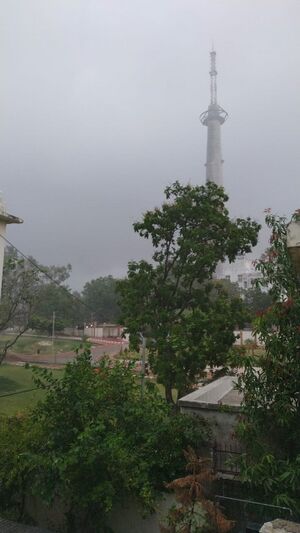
[213, 118]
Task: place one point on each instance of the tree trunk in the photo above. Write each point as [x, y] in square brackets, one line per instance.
[168, 393]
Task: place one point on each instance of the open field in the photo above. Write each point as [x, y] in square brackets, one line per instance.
[38, 350]
[13, 380]
[27, 345]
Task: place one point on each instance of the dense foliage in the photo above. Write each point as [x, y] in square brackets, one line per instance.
[101, 298]
[93, 441]
[50, 293]
[55, 296]
[46, 288]
[255, 299]
[270, 429]
[173, 300]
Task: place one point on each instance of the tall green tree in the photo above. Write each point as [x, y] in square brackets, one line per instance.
[173, 300]
[56, 296]
[270, 429]
[102, 300]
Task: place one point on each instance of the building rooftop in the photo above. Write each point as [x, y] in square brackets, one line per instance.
[213, 395]
[5, 216]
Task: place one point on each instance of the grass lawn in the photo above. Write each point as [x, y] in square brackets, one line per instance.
[27, 345]
[15, 379]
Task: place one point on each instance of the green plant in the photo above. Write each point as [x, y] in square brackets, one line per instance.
[195, 512]
[101, 297]
[188, 318]
[19, 293]
[94, 440]
[270, 428]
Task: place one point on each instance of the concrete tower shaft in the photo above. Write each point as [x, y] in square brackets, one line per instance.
[213, 118]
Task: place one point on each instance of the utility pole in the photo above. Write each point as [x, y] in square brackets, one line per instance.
[53, 336]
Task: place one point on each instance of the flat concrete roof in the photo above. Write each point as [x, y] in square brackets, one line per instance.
[215, 394]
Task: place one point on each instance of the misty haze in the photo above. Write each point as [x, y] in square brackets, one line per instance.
[100, 111]
[150, 266]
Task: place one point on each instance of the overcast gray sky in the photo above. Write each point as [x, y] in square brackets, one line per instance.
[99, 112]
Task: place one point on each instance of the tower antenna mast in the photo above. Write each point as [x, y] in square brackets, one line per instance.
[213, 118]
[213, 78]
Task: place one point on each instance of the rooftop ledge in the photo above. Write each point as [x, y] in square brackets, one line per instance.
[10, 219]
[216, 395]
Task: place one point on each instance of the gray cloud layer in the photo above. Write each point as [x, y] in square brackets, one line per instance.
[99, 111]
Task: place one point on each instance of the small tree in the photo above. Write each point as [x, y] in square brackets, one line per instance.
[270, 429]
[19, 292]
[196, 512]
[44, 325]
[173, 300]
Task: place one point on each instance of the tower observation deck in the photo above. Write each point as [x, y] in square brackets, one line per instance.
[213, 118]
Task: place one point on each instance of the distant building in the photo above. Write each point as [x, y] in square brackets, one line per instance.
[104, 330]
[241, 272]
[100, 331]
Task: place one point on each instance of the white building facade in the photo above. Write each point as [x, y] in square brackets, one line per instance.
[242, 272]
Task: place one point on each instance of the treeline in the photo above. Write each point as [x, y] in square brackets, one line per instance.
[94, 425]
[49, 292]
[97, 302]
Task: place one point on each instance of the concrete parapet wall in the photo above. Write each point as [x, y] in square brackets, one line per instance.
[126, 518]
[222, 424]
[211, 393]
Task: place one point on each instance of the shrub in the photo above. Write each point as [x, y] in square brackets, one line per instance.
[93, 441]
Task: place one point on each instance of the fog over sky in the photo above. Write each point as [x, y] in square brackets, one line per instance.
[99, 112]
